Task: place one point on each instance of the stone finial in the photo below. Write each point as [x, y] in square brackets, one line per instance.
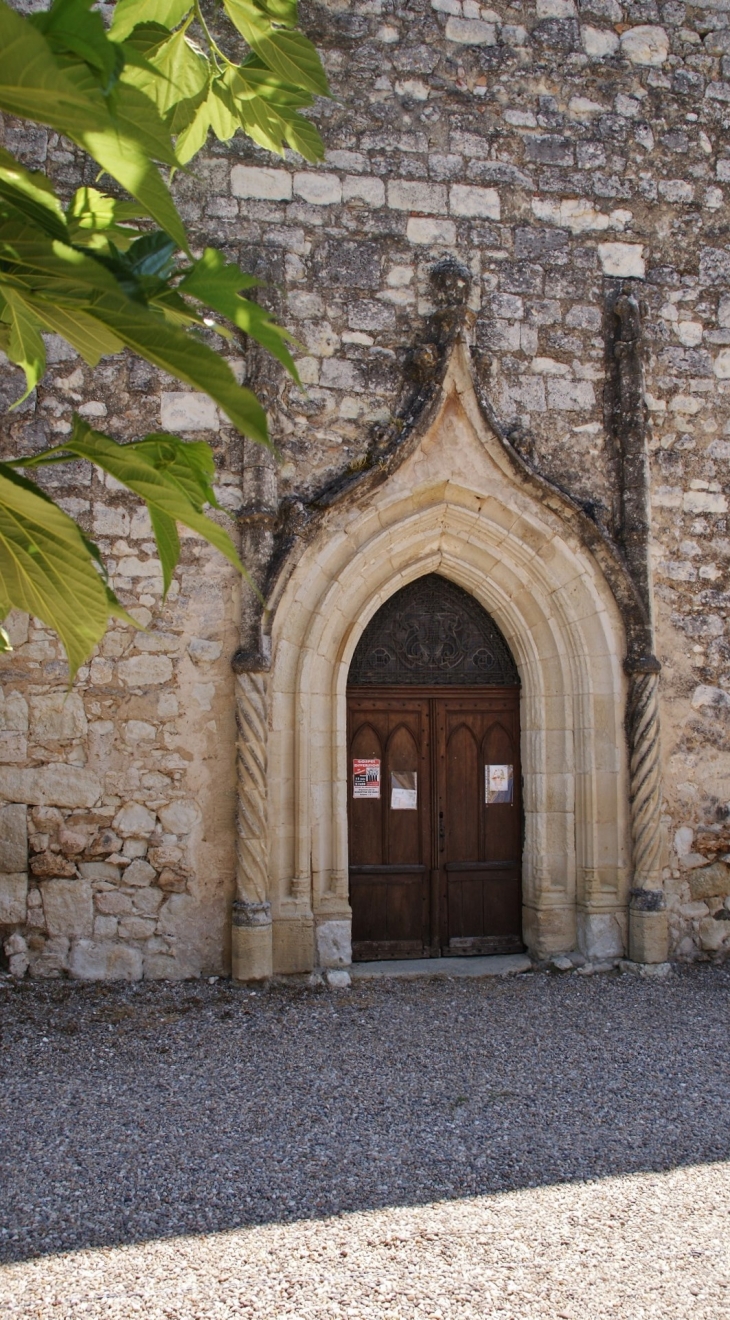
[451, 282]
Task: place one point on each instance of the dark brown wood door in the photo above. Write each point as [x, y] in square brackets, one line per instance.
[479, 823]
[434, 866]
[390, 848]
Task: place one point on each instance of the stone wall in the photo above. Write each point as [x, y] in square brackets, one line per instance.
[553, 149]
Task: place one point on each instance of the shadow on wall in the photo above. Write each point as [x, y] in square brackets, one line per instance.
[149, 1111]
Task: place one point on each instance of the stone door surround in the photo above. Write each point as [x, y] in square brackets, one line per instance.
[455, 506]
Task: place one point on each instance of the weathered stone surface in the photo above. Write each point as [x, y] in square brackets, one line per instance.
[13, 839]
[68, 907]
[13, 898]
[713, 934]
[57, 717]
[204, 652]
[145, 670]
[180, 817]
[188, 411]
[60, 784]
[334, 948]
[134, 821]
[707, 881]
[139, 873]
[48, 958]
[171, 881]
[99, 960]
[49, 864]
[645, 44]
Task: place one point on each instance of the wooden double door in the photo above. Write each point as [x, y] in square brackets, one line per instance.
[435, 822]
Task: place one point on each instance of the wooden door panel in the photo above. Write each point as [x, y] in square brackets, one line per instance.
[445, 877]
[404, 828]
[462, 772]
[481, 850]
[366, 824]
[389, 876]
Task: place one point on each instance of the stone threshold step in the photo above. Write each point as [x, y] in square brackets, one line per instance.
[508, 964]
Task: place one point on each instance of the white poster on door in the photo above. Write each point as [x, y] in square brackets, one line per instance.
[403, 790]
[498, 783]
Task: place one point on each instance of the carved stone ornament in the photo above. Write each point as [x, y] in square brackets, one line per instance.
[432, 632]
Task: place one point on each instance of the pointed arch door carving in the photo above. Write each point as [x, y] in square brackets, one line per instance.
[435, 867]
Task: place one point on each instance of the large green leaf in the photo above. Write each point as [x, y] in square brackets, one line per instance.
[34, 86]
[178, 71]
[172, 477]
[95, 220]
[216, 283]
[25, 346]
[91, 339]
[33, 195]
[129, 13]
[193, 137]
[47, 568]
[72, 26]
[287, 52]
[52, 277]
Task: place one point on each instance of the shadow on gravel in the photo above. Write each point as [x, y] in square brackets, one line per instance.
[155, 1110]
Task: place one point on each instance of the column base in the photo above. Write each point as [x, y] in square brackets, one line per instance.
[549, 930]
[251, 942]
[648, 928]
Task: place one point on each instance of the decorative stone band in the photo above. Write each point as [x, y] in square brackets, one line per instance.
[252, 843]
[251, 914]
[647, 900]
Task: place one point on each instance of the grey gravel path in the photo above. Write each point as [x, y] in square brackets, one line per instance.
[535, 1147]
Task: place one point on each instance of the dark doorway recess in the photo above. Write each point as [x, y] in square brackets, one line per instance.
[435, 803]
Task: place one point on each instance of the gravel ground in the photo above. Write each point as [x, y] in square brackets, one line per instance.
[535, 1147]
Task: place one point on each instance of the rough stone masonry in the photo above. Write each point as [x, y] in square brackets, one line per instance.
[561, 153]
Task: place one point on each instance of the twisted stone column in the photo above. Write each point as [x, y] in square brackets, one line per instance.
[648, 939]
[251, 932]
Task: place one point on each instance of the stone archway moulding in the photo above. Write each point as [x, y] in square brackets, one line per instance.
[457, 507]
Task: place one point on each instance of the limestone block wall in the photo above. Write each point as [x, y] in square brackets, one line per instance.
[554, 147]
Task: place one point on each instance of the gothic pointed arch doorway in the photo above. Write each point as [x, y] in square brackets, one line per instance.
[434, 798]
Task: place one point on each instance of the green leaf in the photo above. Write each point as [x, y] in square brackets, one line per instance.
[216, 283]
[5, 643]
[91, 339]
[47, 568]
[223, 118]
[180, 72]
[72, 26]
[140, 118]
[172, 477]
[282, 11]
[32, 193]
[168, 544]
[129, 13]
[288, 53]
[33, 86]
[191, 361]
[95, 220]
[25, 346]
[193, 138]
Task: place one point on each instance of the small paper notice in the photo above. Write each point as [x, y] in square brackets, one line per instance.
[365, 778]
[403, 790]
[498, 783]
